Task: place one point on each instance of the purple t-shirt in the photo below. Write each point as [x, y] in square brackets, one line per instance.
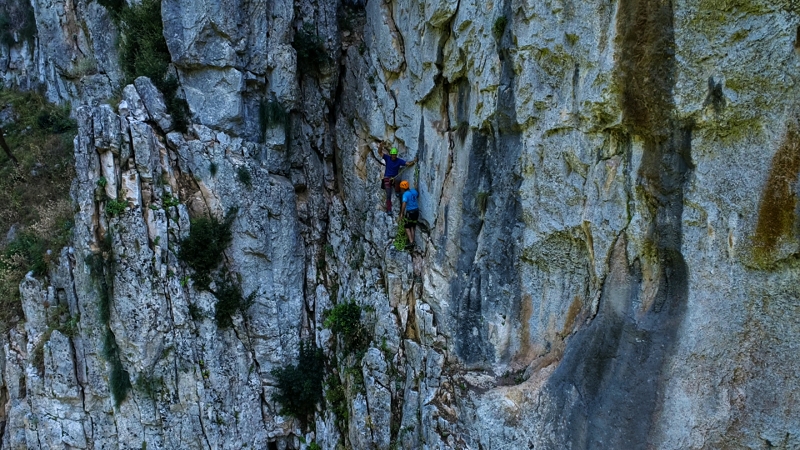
[393, 167]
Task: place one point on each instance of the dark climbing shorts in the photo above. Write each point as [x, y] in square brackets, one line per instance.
[411, 218]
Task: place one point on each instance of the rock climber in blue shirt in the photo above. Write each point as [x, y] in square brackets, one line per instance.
[409, 211]
[393, 165]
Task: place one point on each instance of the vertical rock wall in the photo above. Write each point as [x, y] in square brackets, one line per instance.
[606, 251]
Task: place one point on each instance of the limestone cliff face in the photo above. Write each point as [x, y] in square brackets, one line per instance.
[607, 252]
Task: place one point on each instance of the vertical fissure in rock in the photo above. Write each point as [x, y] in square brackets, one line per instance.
[486, 279]
[617, 363]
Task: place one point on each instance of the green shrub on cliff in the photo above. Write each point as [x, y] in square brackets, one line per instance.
[300, 385]
[34, 191]
[203, 250]
[143, 51]
[344, 319]
[229, 300]
[311, 53]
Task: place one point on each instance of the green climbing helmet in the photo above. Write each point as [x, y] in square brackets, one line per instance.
[393, 151]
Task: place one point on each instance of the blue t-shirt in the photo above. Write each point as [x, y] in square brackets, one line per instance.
[410, 199]
[393, 167]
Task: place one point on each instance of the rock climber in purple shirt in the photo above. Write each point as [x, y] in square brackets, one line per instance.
[393, 165]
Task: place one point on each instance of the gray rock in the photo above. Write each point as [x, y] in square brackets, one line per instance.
[214, 96]
[153, 101]
[598, 266]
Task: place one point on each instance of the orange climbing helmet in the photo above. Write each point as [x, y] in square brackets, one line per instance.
[404, 184]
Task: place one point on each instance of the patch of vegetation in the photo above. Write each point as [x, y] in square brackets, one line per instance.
[351, 15]
[229, 301]
[37, 360]
[776, 213]
[115, 207]
[300, 386]
[114, 7]
[28, 248]
[57, 318]
[481, 201]
[571, 38]
[271, 113]
[212, 168]
[195, 312]
[60, 319]
[336, 397]
[244, 177]
[169, 201]
[16, 21]
[400, 238]
[461, 131]
[143, 52]
[203, 250]
[83, 66]
[344, 319]
[310, 47]
[34, 191]
[149, 385]
[499, 27]
[119, 381]
[101, 270]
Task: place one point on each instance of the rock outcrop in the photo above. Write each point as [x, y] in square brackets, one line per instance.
[606, 256]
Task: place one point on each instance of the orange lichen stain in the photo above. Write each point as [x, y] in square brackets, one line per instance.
[526, 311]
[776, 213]
[572, 314]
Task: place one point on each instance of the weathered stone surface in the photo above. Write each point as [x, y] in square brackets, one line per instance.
[606, 249]
[214, 96]
[153, 101]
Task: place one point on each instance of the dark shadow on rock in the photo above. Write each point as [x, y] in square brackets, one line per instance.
[608, 390]
[487, 280]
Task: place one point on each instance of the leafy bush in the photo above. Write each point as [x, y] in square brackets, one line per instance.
[40, 135]
[337, 398]
[55, 120]
[144, 52]
[203, 250]
[169, 201]
[311, 53]
[229, 301]
[114, 7]
[244, 176]
[115, 207]
[499, 27]
[31, 249]
[300, 386]
[119, 381]
[271, 113]
[345, 320]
